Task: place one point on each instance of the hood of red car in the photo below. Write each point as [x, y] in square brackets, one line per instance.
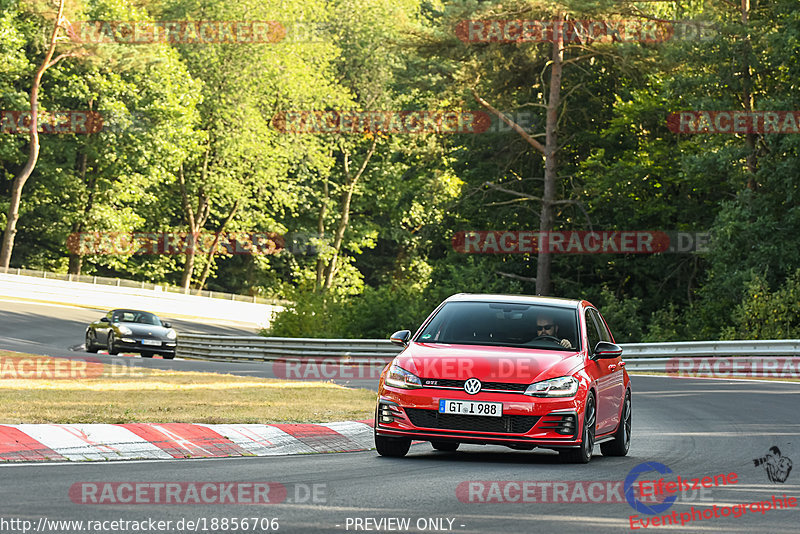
[487, 364]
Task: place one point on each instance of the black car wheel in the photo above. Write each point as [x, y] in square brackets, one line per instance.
[147, 354]
[392, 447]
[168, 356]
[112, 350]
[445, 446]
[90, 342]
[583, 454]
[622, 437]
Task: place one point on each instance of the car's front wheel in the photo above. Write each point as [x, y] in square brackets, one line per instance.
[622, 437]
[583, 454]
[445, 446]
[147, 354]
[168, 356]
[112, 349]
[90, 342]
[392, 447]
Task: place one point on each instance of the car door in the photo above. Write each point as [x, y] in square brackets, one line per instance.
[102, 328]
[601, 372]
[613, 379]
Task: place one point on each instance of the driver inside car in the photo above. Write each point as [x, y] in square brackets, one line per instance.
[547, 326]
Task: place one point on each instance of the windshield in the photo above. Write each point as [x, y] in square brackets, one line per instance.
[504, 324]
[132, 316]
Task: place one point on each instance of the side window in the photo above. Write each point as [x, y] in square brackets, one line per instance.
[591, 331]
[605, 335]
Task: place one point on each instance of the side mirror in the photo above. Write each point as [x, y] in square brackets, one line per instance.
[401, 337]
[606, 351]
[165, 324]
[103, 319]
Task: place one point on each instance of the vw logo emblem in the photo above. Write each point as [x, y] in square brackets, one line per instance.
[472, 386]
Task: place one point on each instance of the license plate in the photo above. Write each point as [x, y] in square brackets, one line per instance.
[153, 342]
[464, 407]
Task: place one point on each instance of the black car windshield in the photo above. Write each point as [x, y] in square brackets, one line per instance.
[504, 324]
[133, 316]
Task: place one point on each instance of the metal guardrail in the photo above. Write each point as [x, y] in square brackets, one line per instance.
[120, 282]
[653, 357]
[258, 348]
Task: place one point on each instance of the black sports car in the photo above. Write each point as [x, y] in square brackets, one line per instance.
[131, 331]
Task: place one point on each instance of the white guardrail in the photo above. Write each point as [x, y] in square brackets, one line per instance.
[154, 298]
[655, 357]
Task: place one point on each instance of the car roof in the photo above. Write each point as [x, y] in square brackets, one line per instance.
[130, 310]
[521, 299]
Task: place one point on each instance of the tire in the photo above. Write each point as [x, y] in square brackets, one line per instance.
[445, 446]
[168, 356]
[112, 350]
[146, 354]
[583, 454]
[392, 447]
[90, 344]
[622, 437]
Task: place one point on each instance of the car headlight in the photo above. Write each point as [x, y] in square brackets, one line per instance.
[400, 378]
[124, 330]
[171, 334]
[565, 386]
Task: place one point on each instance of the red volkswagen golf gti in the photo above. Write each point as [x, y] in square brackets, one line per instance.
[518, 371]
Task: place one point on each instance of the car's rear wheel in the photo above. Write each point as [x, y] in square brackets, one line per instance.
[168, 356]
[147, 354]
[583, 454]
[622, 437]
[112, 349]
[90, 342]
[445, 446]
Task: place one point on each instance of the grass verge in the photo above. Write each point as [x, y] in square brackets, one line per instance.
[41, 389]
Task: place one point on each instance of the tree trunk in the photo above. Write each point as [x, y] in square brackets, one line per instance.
[747, 99]
[196, 222]
[330, 269]
[33, 153]
[213, 250]
[321, 234]
[76, 260]
[544, 284]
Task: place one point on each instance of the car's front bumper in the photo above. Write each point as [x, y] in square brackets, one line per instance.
[130, 344]
[526, 422]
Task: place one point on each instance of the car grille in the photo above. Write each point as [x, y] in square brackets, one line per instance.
[502, 386]
[510, 424]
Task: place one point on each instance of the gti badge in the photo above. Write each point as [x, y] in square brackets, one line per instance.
[472, 386]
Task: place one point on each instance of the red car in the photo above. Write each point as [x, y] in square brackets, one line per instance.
[518, 371]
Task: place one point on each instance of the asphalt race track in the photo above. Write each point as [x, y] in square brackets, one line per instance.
[54, 330]
[695, 428]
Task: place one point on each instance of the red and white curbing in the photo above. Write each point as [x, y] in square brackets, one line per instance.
[136, 441]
